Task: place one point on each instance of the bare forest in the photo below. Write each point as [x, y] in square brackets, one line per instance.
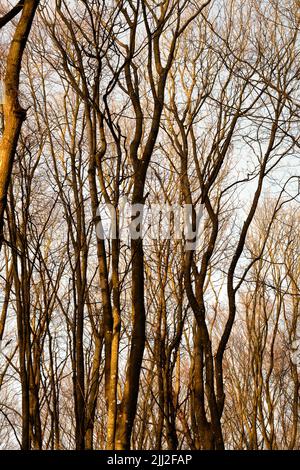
[143, 336]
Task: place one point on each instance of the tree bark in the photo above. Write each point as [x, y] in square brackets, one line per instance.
[13, 113]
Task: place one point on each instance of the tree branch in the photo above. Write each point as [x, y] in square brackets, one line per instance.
[11, 14]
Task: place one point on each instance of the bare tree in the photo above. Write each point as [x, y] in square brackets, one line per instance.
[13, 113]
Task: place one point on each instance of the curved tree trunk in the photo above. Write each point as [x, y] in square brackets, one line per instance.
[13, 113]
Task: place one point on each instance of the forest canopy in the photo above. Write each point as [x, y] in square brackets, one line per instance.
[149, 224]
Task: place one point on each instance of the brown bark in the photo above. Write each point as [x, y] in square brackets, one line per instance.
[13, 112]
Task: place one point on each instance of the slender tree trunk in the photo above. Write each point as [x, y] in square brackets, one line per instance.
[14, 114]
[129, 403]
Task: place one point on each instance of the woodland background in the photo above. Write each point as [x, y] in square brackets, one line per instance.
[144, 345]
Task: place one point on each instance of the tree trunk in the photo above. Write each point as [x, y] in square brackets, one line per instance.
[13, 113]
